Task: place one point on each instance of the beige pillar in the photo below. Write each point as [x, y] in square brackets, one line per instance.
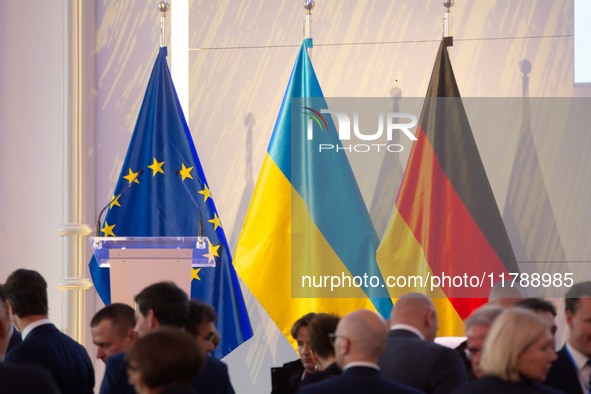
[78, 168]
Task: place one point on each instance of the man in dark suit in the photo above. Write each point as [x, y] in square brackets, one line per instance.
[359, 341]
[158, 305]
[112, 330]
[26, 379]
[9, 336]
[411, 356]
[571, 372]
[43, 344]
[214, 378]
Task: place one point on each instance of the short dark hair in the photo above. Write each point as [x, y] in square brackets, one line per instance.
[122, 318]
[169, 303]
[27, 292]
[166, 357]
[199, 312]
[572, 296]
[318, 329]
[2, 296]
[301, 322]
[536, 305]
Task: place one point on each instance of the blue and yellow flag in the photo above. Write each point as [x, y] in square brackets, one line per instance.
[157, 205]
[307, 216]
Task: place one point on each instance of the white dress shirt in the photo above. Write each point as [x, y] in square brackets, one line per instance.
[361, 364]
[582, 366]
[34, 325]
[407, 327]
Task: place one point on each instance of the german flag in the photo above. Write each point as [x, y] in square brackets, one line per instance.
[446, 220]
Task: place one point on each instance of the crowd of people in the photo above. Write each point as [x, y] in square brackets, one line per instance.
[509, 348]
[163, 346]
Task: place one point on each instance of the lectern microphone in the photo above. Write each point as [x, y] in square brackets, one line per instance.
[178, 173]
[98, 222]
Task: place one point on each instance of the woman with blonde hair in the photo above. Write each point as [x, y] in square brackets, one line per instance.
[517, 355]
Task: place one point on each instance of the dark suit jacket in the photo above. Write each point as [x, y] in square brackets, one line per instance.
[214, 378]
[563, 375]
[15, 339]
[359, 380]
[319, 376]
[493, 385]
[26, 379]
[64, 358]
[286, 379]
[115, 379]
[461, 350]
[425, 365]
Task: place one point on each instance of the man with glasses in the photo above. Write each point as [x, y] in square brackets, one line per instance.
[476, 327]
[214, 377]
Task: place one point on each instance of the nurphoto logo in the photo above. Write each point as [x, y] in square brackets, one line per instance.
[344, 130]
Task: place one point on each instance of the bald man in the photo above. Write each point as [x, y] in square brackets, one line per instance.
[411, 356]
[359, 340]
[504, 295]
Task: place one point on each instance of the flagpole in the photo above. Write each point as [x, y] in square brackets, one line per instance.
[447, 22]
[309, 6]
[163, 7]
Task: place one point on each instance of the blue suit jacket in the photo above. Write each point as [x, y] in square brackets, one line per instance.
[359, 380]
[26, 379]
[14, 340]
[214, 378]
[563, 375]
[425, 365]
[115, 379]
[64, 358]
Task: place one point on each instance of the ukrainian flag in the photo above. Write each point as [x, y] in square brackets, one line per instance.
[307, 217]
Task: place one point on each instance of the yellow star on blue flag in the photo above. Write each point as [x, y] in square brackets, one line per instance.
[159, 205]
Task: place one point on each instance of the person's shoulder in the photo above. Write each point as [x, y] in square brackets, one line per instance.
[403, 389]
[215, 364]
[543, 389]
[355, 378]
[116, 361]
[27, 378]
[483, 385]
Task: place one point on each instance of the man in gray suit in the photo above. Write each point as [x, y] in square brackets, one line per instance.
[411, 356]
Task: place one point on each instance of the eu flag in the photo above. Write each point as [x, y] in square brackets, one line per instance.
[156, 204]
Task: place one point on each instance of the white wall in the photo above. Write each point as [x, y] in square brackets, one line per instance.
[31, 141]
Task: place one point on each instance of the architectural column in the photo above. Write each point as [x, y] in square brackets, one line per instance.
[78, 166]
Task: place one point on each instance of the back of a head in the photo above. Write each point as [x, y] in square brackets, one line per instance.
[199, 312]
[505, 294]
[27, 292]
[413, 309]
[121, 316]
[166, 358]
[319, 328]
[511, 333]
[169, 303]
[576, 292]
[367, 333]
[483, 316]
[537, 305]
